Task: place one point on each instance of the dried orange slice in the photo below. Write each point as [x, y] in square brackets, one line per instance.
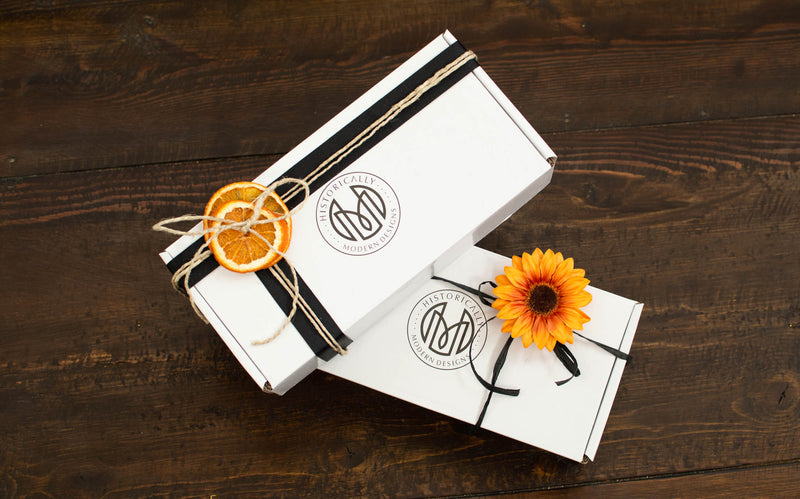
[243, 191]
[245, 251]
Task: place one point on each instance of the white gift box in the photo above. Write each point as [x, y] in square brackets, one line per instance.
[396, 358]
[436, 179]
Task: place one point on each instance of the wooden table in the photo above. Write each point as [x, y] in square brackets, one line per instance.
[678, 133]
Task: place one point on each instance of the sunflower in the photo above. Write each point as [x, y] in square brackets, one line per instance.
[540, 298]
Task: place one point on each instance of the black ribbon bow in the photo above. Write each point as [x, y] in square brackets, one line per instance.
[563, 353]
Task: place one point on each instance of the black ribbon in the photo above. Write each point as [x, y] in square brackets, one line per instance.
[568, 360]
[501, 358]
[613, 351]
[309, 163]
[300, 321]
[561, 351]
[498, 365]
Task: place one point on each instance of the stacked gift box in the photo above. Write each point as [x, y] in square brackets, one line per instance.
[401, 184]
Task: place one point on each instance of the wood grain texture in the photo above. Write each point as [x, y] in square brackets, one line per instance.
[778, 481]
[97, 84]
[110, 386]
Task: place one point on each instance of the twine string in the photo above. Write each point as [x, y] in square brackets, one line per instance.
[300, 301]
[368, 132]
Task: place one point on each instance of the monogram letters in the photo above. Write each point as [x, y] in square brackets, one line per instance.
[358, 213]
[443, 326]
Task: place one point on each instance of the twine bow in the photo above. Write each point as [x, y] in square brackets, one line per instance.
[180, 279]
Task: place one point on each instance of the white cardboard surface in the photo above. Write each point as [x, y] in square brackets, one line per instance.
[567, 420]
[459, 167]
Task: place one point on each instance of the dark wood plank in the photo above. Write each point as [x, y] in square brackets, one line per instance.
[768, 482]
[97, 84]
[109, 384]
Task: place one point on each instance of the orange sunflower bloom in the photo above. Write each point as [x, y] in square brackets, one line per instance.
[540, 298]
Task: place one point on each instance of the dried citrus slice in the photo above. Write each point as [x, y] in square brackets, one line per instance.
[245, 251]
[243, 191]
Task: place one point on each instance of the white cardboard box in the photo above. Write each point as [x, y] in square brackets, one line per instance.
[446, 176]
[567, 420]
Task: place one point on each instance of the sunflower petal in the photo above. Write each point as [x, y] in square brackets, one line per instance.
[575, 300]
[551, 343]
[517, 278]
[547, 266]
[535, 265]
[529, 266]
[572, 317]
[578, 273]
[527, 338]
[563, 271]
[507, 326]
[540, 333]
[511, 311]
[502, 280]
[523, 325]
[499, 303]
[557, 328]
[516, 262]
[510, 293]
[572, 286]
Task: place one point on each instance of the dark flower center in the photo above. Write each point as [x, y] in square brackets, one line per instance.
[543, 299]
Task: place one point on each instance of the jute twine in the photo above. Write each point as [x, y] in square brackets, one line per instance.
[180, 280]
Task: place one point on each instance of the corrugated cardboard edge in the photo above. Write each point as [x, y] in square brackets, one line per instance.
[613, 385]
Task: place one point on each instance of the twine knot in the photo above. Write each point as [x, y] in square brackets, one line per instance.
[180, 279]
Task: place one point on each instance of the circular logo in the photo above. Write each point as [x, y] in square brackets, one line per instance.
[443, 326]
[358, 213]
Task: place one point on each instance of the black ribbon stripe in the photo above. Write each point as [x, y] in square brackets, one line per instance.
[200, 271]
[300, 320]
[315, 158]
